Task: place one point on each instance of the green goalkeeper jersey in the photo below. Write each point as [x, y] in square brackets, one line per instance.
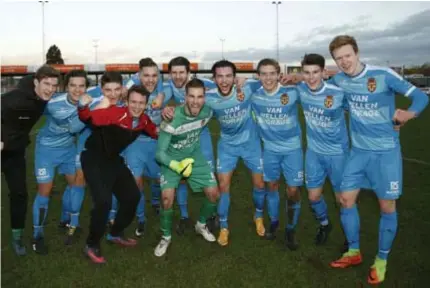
[180, 138]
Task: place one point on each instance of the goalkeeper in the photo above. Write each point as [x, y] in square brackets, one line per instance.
[180, 156]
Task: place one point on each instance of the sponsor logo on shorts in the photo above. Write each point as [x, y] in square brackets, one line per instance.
[394, 188]
[299, 176]
[163, 181]
[371, 84]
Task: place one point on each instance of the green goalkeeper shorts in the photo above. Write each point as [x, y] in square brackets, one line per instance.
[201, 176]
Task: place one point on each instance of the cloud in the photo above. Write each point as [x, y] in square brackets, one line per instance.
[403, 43]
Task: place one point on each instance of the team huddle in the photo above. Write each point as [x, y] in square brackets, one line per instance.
[110, 136]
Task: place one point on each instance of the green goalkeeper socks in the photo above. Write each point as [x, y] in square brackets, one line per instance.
[207, 210]
[166, 221]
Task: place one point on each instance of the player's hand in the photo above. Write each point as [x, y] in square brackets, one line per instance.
[104, 103]
[289, 79]
[85, 99]
[184, 168]
[2, 145]
[402, 116]
[240, 81]
[158, 101]
[124, 92]
[168, 113]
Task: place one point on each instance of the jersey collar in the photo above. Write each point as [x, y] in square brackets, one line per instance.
[274, 92]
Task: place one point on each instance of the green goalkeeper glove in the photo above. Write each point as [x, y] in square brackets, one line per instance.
[184, 168]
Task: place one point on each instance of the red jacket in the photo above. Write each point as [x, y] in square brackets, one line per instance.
[112, 129]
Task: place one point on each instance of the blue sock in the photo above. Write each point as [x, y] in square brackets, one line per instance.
[65, 208]
[77, 197]
[258, 197]
[155, 193]
[40, 210]
[273, 205]
[320, 210]
[351, 226]
[181, 198]
[293, 213]
[223, 206]
[113, 209]
[140, 211]
[387, 233]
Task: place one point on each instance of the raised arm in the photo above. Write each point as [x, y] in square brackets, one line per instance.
[163, 144]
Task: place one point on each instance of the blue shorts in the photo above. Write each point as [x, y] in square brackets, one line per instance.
[206, 147]
[250, 152]
[82, 138]
[383, 170]
[140, 158]
[290, 163]
[319, 166]
[47, 159]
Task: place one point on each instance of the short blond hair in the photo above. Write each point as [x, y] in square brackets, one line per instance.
[342, 40]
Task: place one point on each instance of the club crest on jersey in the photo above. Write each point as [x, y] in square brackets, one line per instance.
[240, 96]
[285, 99]
[371, 84]
[328, 102]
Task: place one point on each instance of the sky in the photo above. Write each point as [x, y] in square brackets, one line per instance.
[393, 33]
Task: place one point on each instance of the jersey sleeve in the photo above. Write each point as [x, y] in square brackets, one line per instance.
[76, 125]
[253, 84]
[209, 84]
[95, 91]
[163, 143]
[168, 93]
[399, 85]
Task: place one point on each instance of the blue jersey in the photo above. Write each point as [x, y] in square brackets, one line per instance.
[276, 116]
[62, 123]
[371, 103]
[326, 131]
[233, 113]
[178, 94]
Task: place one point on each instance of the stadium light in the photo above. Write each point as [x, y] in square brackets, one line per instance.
[95, 45]
[222, 47]
[277, 3]
[43, 31]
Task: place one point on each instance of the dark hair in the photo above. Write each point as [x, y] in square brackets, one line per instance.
[111, 76]
[314, 59]
[221, 64]
[75, 74]
[146, 62]
[267, 62]
[342, 40]
[179, 61]
[46, 71]
[138, 89]
[194, 83]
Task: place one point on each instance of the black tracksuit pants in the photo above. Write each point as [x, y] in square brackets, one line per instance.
[106, 176]
[14, 168]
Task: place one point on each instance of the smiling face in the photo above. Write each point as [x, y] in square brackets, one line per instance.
[136, 104]
[76, 88]
[269, 76]
[194, 100]
[347, 59]
[224, 78]
[46, 87]
[179, 76]
[149, 78]
[112, 91]
[312, 75]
